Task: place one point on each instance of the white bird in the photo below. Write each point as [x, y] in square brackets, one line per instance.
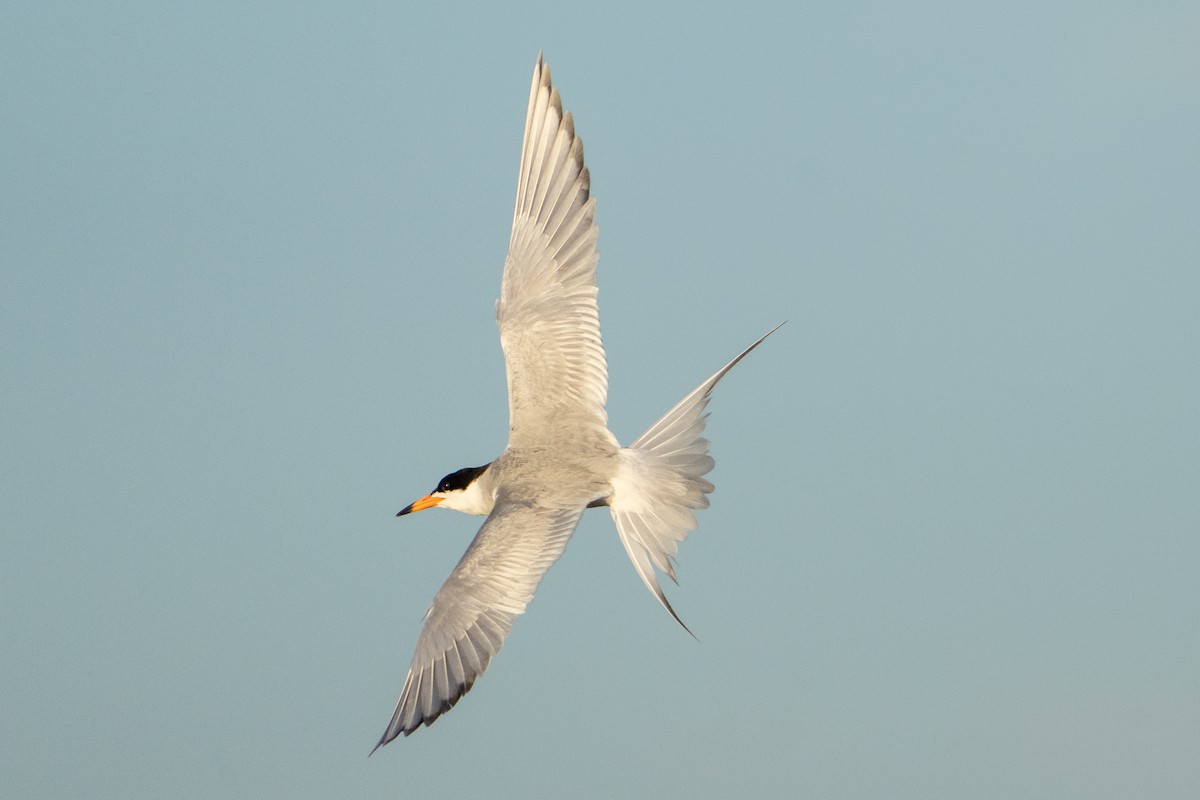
[561, 457]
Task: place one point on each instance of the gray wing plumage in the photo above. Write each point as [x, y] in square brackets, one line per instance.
[547, 314]
[474, 610]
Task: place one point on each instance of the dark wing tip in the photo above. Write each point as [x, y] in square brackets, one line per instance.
[395, 729]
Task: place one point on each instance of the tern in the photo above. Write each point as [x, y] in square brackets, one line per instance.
[560, 458]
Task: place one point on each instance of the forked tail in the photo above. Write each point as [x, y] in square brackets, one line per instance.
[660, 484]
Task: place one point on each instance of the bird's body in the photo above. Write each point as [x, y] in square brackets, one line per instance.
[560, 458]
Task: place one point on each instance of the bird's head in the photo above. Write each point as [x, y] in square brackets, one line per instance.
[461, 491]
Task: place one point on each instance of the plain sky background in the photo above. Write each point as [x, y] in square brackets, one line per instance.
[248, 255]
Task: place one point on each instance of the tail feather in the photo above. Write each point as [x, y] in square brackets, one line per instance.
[660, 484]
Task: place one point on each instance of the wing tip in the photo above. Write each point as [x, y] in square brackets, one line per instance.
[542, 73]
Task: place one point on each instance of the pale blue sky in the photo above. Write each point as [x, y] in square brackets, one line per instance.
[247, 266]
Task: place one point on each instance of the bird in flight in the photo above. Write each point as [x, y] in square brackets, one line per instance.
[561, 458]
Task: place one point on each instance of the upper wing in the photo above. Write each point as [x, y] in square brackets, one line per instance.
[475, 608]
[549, 323]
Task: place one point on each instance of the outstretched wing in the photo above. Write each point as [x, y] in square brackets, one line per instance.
[475, 608]
[549, 323]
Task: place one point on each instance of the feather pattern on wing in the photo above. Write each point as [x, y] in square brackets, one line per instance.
[474, 610]
[547, 314]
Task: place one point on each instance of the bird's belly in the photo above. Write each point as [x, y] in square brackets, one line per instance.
[557, 476]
